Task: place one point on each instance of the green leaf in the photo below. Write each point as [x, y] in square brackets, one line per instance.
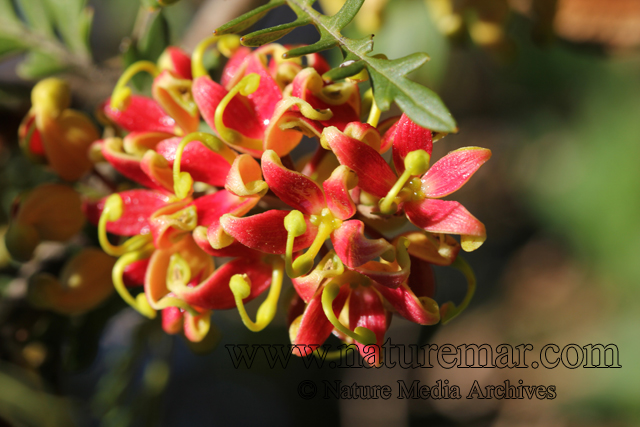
[8, 14]
[9, 46]
[243, 22]
[73, 22]
[389, 77]
[258, 38]
[38, 65]
[155, 39]
[36, 14]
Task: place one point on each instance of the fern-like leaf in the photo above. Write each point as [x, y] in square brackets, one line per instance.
[388, 76]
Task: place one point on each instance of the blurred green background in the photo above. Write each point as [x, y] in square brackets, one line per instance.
[551, 87]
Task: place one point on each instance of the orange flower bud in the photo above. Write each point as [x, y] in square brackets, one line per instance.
[58, 134]
[48, 212]
[84, 283]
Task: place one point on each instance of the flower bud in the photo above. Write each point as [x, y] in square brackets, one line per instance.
[84, 283]
[55, 133]
[49, 212]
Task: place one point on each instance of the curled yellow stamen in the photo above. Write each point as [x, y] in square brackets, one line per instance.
[329, 294]
[227, 45]
[240, 285]
[197, 69]
[296, 226]
[448, 310]
[416, 163]
[305, 108]
[178, 275]
[182, 181]
[248, 85]
[374, 113]
[122, 93]
[140, 302]
[112, 211]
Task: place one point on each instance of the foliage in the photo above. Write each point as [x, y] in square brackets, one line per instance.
[53, 33]
[388, 76]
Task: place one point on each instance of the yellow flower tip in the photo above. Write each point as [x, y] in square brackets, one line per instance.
[182, 185]
[121, 93]
[417, 162]
[228, 44]
[120, 99]
[471, 243]
[295, 224]
[21, 241]
[240, 286]
[249, 84]
[51, 96]
[113, 207]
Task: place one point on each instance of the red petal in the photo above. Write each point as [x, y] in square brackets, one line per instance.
[142, 114]
[314, 327]
[294, 188]
[236, 249]
[405, 302]
[237, 115]
[265, 232]
[203, 164]
[138, 205]
[366, 310]
[172, 319]
[212, 206]
[134, 273]
[421, 280]
[453, 170]
[264, 99]
[34, 144]
[128, 165]
[387, 128]
[318, 63]
[285, 128]
[374, 174]
[407, 137]
[180, 62]
[214, 292]
[336, 189]
[440, 216]
[353, 248]
[234, 69]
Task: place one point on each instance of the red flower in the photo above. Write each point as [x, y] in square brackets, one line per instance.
[418, 188]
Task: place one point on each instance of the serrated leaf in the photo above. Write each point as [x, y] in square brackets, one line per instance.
[38, 65]
[344, 71]
[243, 22]
[260, 37]
[388, 77]
[36, 14]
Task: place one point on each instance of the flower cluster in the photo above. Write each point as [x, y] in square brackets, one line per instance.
[222, 213]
